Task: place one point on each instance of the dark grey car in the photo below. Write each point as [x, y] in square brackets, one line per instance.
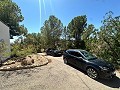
[95, 67]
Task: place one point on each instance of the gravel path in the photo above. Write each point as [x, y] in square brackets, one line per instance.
[54, 76]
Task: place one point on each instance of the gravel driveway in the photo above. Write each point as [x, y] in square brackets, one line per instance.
[54, 76]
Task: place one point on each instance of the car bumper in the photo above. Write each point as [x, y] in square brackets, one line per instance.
[107, 74]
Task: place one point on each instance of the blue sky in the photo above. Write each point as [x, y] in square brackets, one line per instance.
[65, 10]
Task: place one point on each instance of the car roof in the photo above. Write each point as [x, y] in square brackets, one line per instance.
[77, 50]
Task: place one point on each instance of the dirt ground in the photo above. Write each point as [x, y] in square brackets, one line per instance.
[54, 76]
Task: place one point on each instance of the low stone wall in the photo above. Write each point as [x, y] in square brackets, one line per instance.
[21, 67]
[7, 67]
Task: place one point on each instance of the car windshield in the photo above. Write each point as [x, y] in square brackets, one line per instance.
[88, 55]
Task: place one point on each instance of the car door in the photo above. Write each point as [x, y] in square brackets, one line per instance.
[72, 58]
[80, 62]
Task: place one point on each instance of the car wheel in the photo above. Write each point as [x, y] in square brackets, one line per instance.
[92, 73]
[65, 61]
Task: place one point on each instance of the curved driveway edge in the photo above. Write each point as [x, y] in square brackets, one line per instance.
[24, 67]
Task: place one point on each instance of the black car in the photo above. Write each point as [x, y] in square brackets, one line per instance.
[94, 67]
[53, 52]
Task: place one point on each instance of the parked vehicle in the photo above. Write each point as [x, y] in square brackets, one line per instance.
[94, 67]
[53, 52]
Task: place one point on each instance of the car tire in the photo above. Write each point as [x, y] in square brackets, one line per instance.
[65, 61]
[92, 73]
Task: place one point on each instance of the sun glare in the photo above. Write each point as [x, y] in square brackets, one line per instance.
[42, 6]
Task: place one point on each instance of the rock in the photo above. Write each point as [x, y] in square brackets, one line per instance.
[27, 61]
[24, 62]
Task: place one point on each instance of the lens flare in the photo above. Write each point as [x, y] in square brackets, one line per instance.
[44, 7]
[51, 6]
[40, 8]
[43, 3]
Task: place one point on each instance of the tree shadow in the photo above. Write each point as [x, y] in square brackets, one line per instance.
[113, 82]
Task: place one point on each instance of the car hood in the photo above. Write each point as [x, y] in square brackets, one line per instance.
[101, 62]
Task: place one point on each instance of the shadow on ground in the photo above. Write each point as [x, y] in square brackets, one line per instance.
[113, 82]
[24, 72]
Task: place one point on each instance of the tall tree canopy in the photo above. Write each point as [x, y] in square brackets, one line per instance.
[76, 28]
[110, 37]
[51, 32]
[10, 14]
[105, 42]
[90, 37]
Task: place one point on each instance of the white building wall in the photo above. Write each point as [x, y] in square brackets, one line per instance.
[4, 35]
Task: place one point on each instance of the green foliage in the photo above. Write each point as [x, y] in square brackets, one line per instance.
[105, 42]
[75, 30]
[24, 46]
[34, 40]
[63, 41]
[90, 37]
[110, 38]
[2, 49]
[10, 14]
[51, 33]
[18, 50]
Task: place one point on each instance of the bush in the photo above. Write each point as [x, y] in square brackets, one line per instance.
[18, 51]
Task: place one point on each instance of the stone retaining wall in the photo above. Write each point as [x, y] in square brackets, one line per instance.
[8, 68]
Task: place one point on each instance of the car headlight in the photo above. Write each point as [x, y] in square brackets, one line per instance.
[104, 68]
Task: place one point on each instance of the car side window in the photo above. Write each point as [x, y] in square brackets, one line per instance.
[77, 54]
